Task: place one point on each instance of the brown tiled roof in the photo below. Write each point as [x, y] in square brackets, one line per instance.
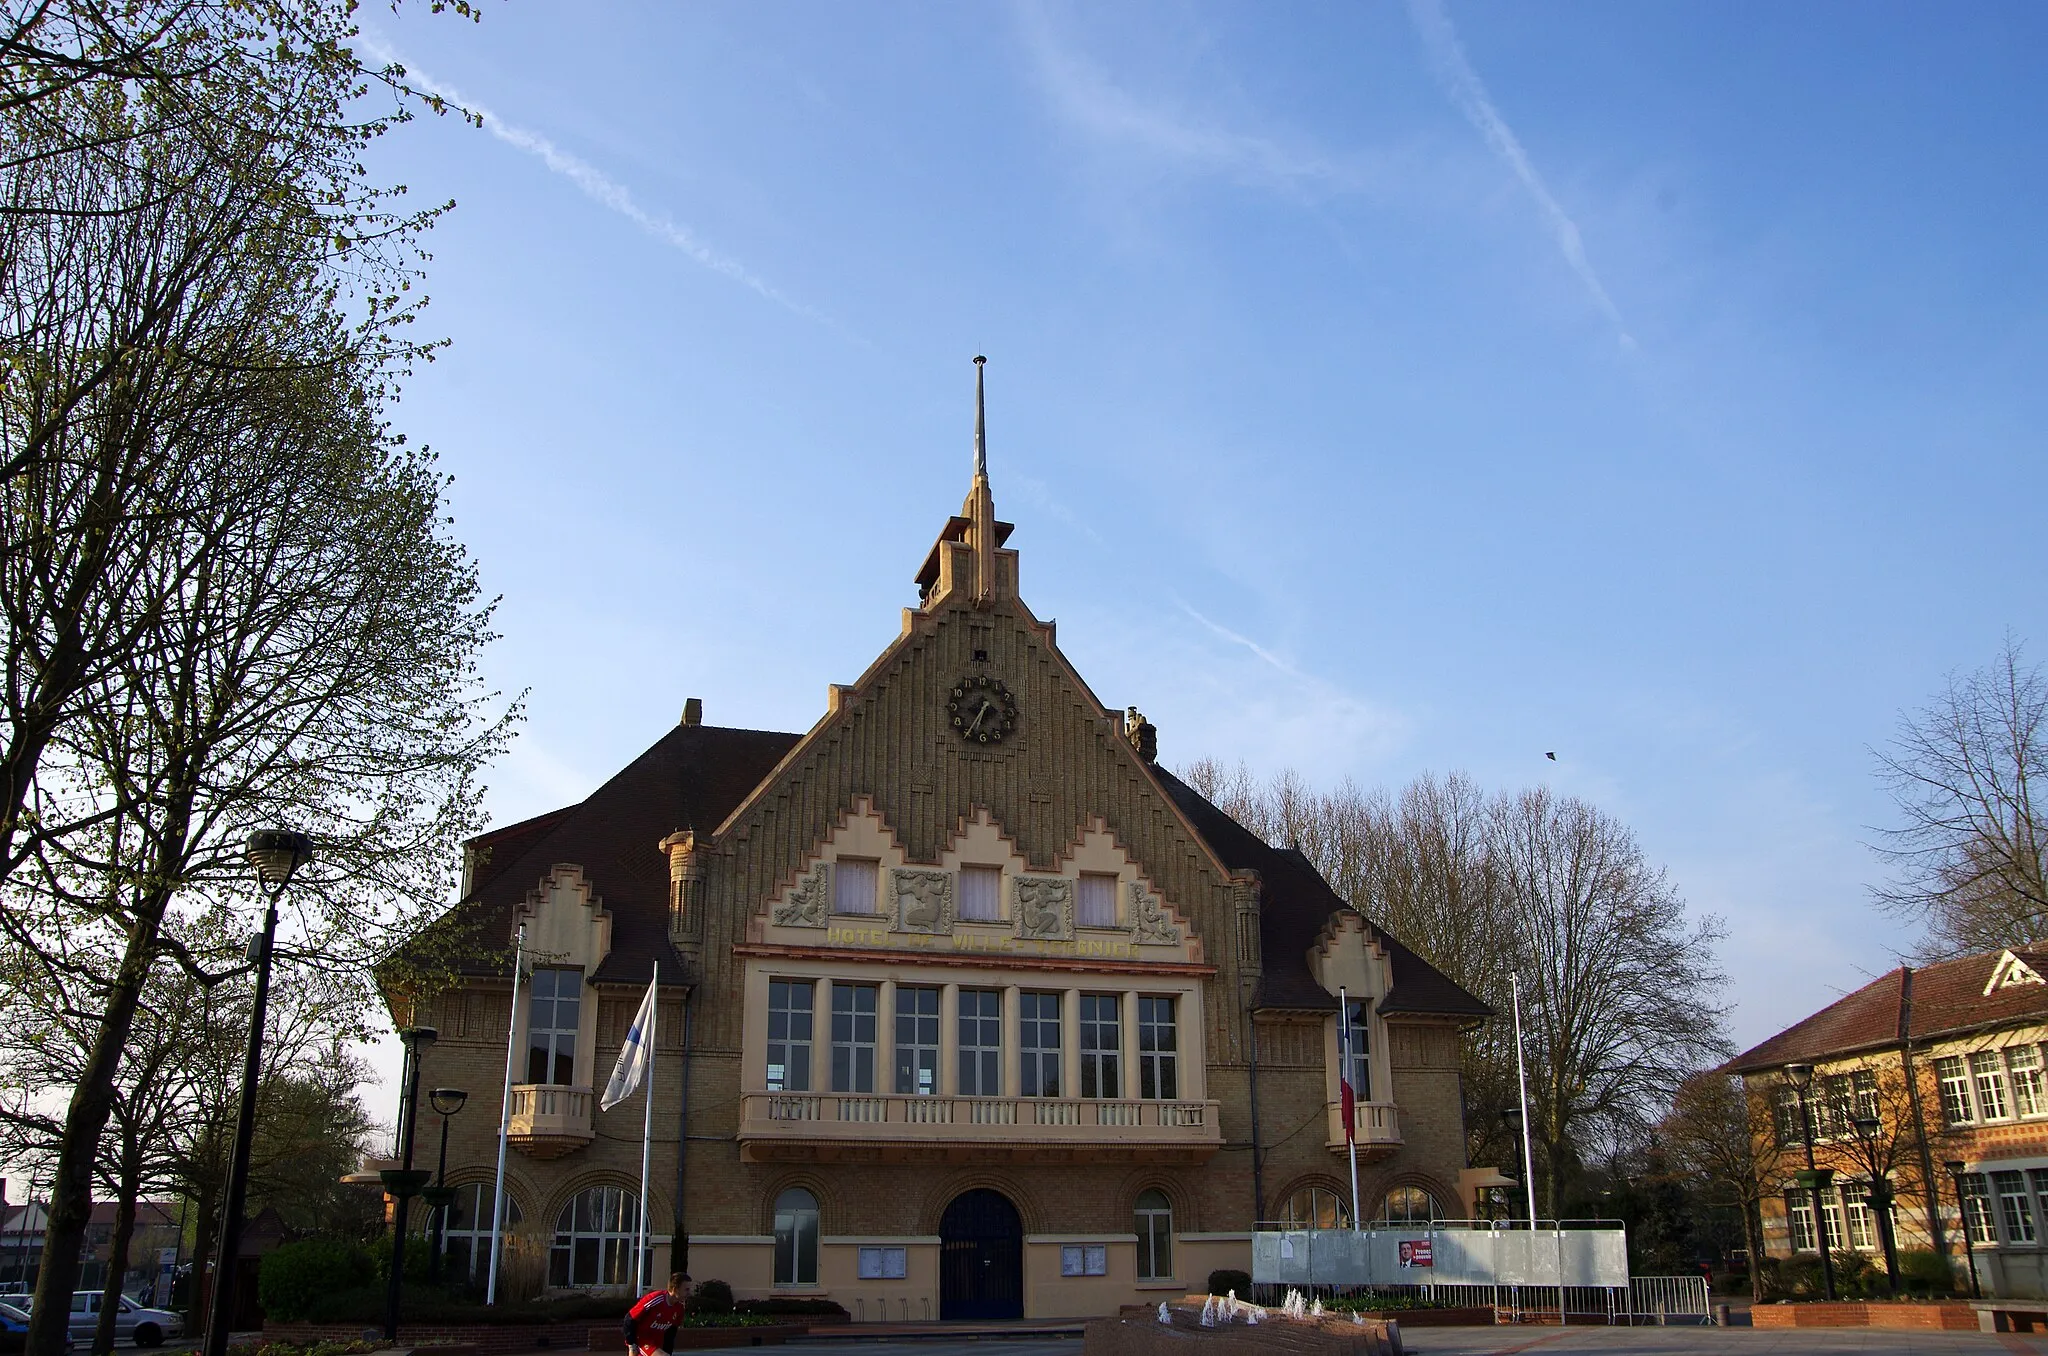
[1943, 999]
[691, 778]
[1295, 904]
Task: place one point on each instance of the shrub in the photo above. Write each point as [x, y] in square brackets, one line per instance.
[1224, 1280]
[712, 1297]
[293, 1279]
[1926, 1272]
[1375, 1301]
[802, 1308]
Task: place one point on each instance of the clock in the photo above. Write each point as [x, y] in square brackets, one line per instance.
[982, 710]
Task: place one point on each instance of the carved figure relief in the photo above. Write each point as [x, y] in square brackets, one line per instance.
[809, 900]
[1043, 907]
[1151, 923]
[924, 900]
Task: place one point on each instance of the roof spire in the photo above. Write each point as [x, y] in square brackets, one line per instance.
[980, 422]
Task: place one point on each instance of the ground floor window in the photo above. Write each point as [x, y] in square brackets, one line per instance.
[1977, 1208]
[1862, 1223]
[796, 1238]
[1799, 1220]
[594, 1239]
[466, 1239]
[1407, 1206]
[1314, 1208]
[1155, 1236]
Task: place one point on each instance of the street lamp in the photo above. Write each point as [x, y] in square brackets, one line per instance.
[1814, 1180]
[277, 855]
[445, 1102]
[404, 1181]
[1511, 1119]
[1955, 1172]
[1867, 1129]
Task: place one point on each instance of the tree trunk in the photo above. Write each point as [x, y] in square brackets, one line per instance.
[1753, 1243]
[103, 1337]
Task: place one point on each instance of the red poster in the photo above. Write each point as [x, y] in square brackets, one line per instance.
[1416, 1253]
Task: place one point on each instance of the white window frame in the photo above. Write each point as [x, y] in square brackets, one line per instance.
[981, 894]
[1987, 1080]
[1095, 900]
[848, 875]
[1958, 1104]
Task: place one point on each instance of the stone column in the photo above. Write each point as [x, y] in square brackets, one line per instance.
[1013, 1007]
[821, 1039]
[1070, 1043]
[949, 1040]
[885, 1036]
[1130, 1042]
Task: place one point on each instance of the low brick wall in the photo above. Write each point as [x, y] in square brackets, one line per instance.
[1946, 1315]
[1477, 1316]
[607, 1337]
[1131, 1334]
[481, 1339]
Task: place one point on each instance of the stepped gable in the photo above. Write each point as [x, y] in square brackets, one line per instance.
[691, 777]
[1944, 999]
[1295, 904]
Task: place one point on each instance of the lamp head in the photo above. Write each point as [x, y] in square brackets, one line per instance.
[1867, 1126]
[417, 1036]
[1801, 1075]
[447, 1101]
[1955, 1166]
[277, 854]
[1512, 1119]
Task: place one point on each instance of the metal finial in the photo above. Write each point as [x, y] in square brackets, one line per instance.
[980, 420]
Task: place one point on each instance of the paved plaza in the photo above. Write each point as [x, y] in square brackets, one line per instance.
[1509, 1341]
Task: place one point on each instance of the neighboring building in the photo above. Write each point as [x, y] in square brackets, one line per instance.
[156, 1232]
[972, 1000]
[1948, 1061]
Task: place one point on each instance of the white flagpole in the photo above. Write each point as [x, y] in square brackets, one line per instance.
[1522, 1080]
[647, 1130]
[505, 1122]
[1350, 1136]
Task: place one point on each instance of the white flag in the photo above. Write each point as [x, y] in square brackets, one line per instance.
[632, 1065]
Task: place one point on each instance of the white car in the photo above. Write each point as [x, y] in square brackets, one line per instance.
[148, 1327]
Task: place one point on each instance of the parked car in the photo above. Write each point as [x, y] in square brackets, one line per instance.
[14, 1326]
[147, 1327]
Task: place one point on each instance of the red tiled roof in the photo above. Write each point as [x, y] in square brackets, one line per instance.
[1944, 999]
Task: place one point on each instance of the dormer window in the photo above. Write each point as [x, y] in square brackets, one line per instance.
[853, 885]
[551, 1022]
[981, 894]
[1360, 1070]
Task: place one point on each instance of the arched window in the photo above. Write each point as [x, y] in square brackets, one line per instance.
[594, 1239]
[796, 1238]
[466, 1240]
[1155, 1235]
[1315, 1208]
[1408, 1206]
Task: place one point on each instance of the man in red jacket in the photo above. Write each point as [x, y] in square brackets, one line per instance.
[651, 1324]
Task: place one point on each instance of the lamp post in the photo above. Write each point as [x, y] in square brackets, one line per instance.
[445, 1102]
[404, 1182]
[1814, 1179]
[1511, 1119]
[277, 855]
[1867, 1130]
[1955, 1173]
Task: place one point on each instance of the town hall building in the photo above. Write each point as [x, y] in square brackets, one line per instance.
[968, 1007]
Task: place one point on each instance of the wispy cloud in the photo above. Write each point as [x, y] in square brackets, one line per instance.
[1083, 93]
[596, 185]
[1234, 638]
[1462, 83]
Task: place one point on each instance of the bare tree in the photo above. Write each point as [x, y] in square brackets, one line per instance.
[1972, 849]
[1724, 1139]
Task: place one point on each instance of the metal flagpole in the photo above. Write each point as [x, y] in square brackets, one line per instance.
[1528, 1156]
[505, 1121]
[1350, 1102]
[647, 1128]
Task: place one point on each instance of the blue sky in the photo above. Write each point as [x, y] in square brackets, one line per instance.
[1377, 388]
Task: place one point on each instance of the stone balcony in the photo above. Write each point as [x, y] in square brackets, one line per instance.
[549, 1120]
[1376, 1127]
[779, 1127]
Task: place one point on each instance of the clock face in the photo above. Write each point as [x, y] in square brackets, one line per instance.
[982, 710]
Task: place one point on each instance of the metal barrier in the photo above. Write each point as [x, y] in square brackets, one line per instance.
[1575, 1254]
[1645, 1299]
[1670, 1299]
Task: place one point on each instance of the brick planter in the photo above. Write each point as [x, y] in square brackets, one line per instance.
[474, 1339]
[1946, 1315]
[1477, 1316]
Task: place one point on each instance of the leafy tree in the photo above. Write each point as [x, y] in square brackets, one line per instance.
[1724, 1140]
[1972, 847]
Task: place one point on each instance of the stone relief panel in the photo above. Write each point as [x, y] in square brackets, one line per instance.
[1043, 907]
[924, 900]
[810, 900]
[1150, 922]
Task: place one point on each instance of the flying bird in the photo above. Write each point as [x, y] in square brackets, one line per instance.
[1551, 756]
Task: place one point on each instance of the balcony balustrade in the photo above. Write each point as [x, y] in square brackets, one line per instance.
[549, 1120]
[1376, 1126]
[864, 1127]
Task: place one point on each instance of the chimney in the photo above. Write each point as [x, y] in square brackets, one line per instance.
[693, 711]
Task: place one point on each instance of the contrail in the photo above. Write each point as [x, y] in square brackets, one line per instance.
[598, 186]
[1462, 83]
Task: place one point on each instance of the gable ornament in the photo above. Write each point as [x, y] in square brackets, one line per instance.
[1150, 922]
[1043, 907]
[924, 900]
[808, 900]
[2011, 970]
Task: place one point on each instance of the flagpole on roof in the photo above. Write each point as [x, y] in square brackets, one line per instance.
[1349, 1098]
[504, 1122]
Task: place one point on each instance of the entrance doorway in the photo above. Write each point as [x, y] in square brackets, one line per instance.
[981, 1257]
